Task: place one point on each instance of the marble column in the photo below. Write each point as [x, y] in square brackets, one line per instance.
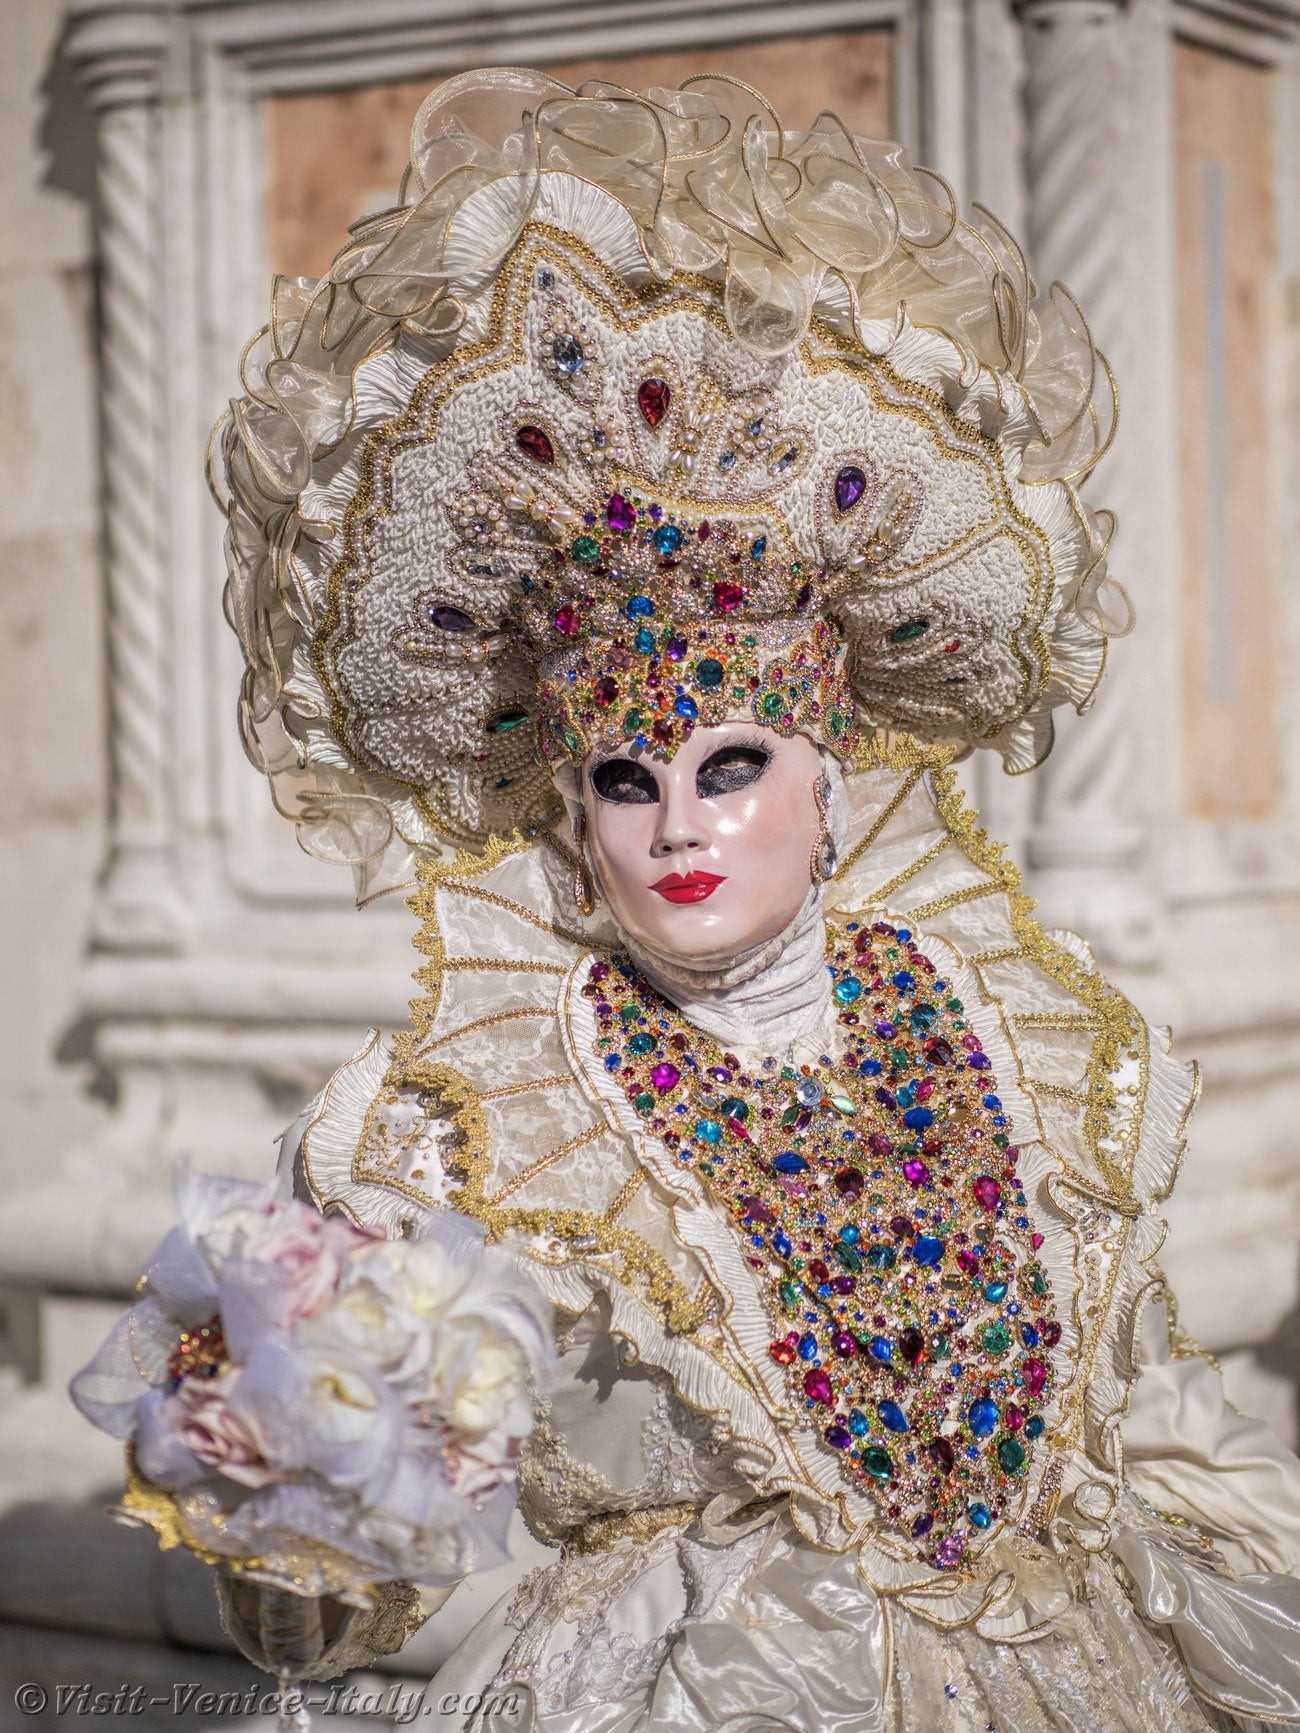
[119, 51]
[1087, 847]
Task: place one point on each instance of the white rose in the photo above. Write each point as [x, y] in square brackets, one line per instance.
[478, 1379]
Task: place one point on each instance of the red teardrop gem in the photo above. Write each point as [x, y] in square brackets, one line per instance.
[534, 443]
[652, 398]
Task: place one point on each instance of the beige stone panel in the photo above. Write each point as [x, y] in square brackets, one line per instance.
[335, 155]
[1227, 324]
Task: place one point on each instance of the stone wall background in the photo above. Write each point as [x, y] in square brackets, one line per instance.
[179, 979]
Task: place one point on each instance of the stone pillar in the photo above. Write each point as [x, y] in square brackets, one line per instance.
[119, 51]
[1087, 848]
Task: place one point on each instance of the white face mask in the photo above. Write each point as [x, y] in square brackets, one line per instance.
[707, 855]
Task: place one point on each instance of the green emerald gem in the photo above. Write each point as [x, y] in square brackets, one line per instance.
[996, 1339]
[939, 1345]
[878, 1463]
[632, 721]
[789, 1292]
[848, 1257]
[954, 1004]
[505, 721]
[642, 1043]
[772, 705]
[908, 630]
[629, 1010]
[1037, 1282]
[1011, 1454]
[586, 549]
[644, 1102]
[1001, 1139]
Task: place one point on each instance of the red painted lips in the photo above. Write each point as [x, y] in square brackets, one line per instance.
[688, 887]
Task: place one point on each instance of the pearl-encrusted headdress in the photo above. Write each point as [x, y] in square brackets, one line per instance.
[639, 411]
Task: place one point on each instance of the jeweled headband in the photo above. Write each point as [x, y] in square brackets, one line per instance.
[635, 426]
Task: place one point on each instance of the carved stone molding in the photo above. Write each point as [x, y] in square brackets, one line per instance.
[1086, 844]
[119, 52]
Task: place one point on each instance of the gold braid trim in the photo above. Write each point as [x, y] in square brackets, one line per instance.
[583, 1233]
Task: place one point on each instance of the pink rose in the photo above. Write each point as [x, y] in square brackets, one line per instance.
[191, 1429]
[219, 1439]
[305, 1254]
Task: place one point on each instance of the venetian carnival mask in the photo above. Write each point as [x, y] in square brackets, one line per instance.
[705, 854]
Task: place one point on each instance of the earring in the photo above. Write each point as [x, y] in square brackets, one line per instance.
[584, 889]
[823, 859]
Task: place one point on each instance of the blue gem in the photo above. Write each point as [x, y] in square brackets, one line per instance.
[567, 353]
[982, 1416]
[881, 1348]
[893, 1416]
[708, 1130]
[871, 1068]
[903, 981]
[789, 1161]
[808, 1347]
[727, 461]
[1029, 1335]
[991, 1101]
[685, 706]
[927, 1249]
[859, 1425]
[903, 933]
[667, 538]
[850, 1234]
[848, 989]
[906, 1095]
[981, 1515]
[759, 548]
[613, 1061]
[1034, 1427]
[995, 1291]
[638, 607]
[782, 1245]
[710, 672]
[644, 640]
[917, 1118]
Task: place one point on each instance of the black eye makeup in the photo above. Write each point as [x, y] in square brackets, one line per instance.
[625, 781]
[730, 769]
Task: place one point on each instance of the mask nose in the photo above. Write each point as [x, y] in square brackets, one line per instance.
[681, 827]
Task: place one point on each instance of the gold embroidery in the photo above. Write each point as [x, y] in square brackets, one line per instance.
[540, 1166]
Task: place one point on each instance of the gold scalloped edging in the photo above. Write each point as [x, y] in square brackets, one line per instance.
[647, 1270]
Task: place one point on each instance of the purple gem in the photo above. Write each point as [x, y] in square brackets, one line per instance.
[949, 1551]
[450, 620]
[979, 1061]
[839, 1436]
[665, 1077]
[842, 1284]
[922, 1525]
[886, 1031]
[850, 485]
[620, 513]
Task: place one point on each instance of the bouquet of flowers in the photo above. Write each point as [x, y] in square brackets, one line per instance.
[318, 1408]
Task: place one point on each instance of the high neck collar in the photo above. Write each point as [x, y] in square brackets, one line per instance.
[766, 997]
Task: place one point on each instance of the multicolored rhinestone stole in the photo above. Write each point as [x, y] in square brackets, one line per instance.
[879, 1203]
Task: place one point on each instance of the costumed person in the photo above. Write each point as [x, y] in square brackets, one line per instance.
[625, 536]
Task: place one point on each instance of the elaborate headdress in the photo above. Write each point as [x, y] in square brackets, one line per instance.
[636, 412]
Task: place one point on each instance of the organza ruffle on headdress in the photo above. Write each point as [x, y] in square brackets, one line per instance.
[787, 244]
